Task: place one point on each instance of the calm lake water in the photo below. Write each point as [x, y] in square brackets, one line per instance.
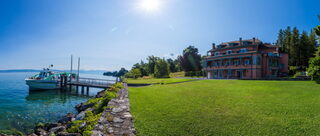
[21, 109]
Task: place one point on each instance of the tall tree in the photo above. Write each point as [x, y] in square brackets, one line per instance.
[190, 60]
[313, 43]
[287, 40]
[303, 50]
[152, 60]
[280, 41]
[294, 51]
[161, 69]
[172, 65]
[314, 63]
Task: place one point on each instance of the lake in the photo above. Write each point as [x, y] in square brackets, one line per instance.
[21, 109]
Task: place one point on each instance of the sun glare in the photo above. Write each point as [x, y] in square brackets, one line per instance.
[149, 5]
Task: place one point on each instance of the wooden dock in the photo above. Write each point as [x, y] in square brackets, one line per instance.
[85, 83]
[92, 82]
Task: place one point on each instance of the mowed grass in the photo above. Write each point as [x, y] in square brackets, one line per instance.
[227, 107]
[156, 80]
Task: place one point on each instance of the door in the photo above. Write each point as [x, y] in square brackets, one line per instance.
[239, 75]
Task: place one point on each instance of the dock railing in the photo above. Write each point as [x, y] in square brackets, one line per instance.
[92, 82]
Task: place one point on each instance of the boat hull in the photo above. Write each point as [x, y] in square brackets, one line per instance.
[42, 84]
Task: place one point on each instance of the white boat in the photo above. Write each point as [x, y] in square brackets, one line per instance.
[46, 80]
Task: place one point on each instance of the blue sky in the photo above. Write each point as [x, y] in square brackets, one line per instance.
[109, 34]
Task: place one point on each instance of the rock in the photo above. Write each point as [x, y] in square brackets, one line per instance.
[116, 110]
[100, 94]
[81, 115]
[127, 115]
[67, 118]
[82, 107]
[51, 125]
[33, 134]
[68, 134]
[83, 125]
[57, 129]
[117, 120]
[97, 133]
[41, 131]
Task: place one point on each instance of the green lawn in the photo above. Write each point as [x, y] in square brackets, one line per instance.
[227, 107]
[156, 80]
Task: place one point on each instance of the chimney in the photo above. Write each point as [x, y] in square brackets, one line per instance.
[240, 40]
[213, 45]
[254, 40]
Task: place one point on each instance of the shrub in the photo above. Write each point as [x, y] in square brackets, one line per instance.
[194, 74]
[11, 132]
[314, 69]
[293, 70]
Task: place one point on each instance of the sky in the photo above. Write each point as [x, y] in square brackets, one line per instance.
[110, 34]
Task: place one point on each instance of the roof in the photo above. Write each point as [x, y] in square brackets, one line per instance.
[249, 40]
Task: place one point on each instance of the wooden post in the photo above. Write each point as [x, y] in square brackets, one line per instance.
[71, 68]
[77, 88]
[65, 81]
[78, 69]
[82, 89]
[87, 90]
[61, 82]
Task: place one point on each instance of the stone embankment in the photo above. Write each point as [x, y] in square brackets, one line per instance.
[117, 119]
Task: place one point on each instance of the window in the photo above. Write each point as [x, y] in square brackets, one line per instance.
[247, 62]
[243, 50]
[236, 62]
[226, 63]
[229, 51]
[216, 53]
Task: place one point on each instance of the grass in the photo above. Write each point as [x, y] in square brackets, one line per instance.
[177, 74]
[157, 80]
[227, 107]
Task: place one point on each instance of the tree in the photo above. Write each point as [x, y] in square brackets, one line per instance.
[134, 73]
[142, 67]
[190, 60]
[314, 68]
[314, 63]
[121, 72]
[161, 69]
[152, 60]
[117, 74]
[287, 40]
[304, 50]
[300, 47]
[280, 41]
[172, 65]
[294, 52]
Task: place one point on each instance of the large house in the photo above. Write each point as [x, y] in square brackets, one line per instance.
[245, 59]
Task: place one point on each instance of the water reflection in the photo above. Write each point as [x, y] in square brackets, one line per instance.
[21, 108]
[54, 96]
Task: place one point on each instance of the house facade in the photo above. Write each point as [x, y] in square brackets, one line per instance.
[245, 59]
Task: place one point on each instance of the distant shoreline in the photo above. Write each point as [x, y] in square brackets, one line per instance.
[35, 70]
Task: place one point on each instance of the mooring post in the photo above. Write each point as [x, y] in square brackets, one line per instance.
[87, 90]
[65, 81]
[82, 89]
[61, 82]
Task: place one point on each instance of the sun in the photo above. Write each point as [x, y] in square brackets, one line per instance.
[149, 5]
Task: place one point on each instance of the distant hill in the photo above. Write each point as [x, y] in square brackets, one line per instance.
[99, 72]
[19, 70]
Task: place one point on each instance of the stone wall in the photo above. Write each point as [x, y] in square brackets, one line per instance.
[116, 120]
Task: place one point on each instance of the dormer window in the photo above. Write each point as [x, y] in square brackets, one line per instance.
[229, 51]
[243, 50]
[216, 53]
